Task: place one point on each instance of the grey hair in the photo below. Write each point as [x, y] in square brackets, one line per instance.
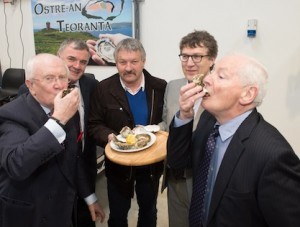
[77, 44]
[251, 72]
[36, 63]
[130, 44]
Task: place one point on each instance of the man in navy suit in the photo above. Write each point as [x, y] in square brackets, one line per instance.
[42, 169]
[75, 53]
[253, 177]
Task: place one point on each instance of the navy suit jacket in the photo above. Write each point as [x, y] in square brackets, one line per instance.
[39, 177]
[258, 183]
[87, 86]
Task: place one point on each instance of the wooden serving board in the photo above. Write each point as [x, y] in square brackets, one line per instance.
[155, 153]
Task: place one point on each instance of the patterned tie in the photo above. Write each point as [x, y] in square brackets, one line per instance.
[200, 181]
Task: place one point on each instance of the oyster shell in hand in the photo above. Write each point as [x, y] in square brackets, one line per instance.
[198, 79]
[105, 49]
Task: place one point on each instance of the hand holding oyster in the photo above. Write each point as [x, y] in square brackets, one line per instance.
[68, 90]
[198, 80]
[105, 49]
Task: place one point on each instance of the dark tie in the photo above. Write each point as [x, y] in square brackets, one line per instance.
[78, 129]
[200, 181]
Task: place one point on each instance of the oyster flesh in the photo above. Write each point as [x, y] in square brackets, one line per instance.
[142, 140]
[198, 79]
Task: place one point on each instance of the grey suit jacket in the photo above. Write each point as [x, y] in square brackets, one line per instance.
[171, 104]
[258, 183]
[171, 107]
[39, 178]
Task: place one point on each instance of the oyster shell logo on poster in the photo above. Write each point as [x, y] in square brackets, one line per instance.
[103, 10]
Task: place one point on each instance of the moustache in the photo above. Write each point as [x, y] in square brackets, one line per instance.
[129, 72]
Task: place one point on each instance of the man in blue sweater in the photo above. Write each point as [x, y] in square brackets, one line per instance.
[129, 98]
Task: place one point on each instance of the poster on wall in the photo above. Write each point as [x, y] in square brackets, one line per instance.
[100, 23]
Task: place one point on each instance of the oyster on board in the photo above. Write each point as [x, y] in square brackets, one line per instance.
[140, 141]
[125, 131]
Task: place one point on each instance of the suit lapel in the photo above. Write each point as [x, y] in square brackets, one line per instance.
[38, 115]
[84, 89]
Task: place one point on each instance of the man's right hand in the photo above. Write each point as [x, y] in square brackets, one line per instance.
[66, 107]
[187, 98]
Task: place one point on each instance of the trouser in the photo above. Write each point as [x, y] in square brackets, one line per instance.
[179, 198]
[146, 194]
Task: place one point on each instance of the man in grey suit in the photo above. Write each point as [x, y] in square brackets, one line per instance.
[253, 177]
[42, 169]
[198, 51]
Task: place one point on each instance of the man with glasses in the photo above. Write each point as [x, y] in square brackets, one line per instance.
[42, 169]
[198, 51]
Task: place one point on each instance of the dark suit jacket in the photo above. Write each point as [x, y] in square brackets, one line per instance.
[87, 85]
[110, 112]
[39, 178]
[258, 183]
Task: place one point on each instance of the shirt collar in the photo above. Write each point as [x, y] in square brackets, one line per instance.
[229, 128]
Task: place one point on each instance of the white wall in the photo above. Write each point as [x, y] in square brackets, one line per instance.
[164, 22]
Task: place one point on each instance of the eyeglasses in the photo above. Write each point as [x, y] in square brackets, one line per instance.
[51, 79]
[196, 58]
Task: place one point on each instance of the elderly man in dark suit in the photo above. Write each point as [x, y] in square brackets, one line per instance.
[42, 169]
[252, 176]
[75, 53]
